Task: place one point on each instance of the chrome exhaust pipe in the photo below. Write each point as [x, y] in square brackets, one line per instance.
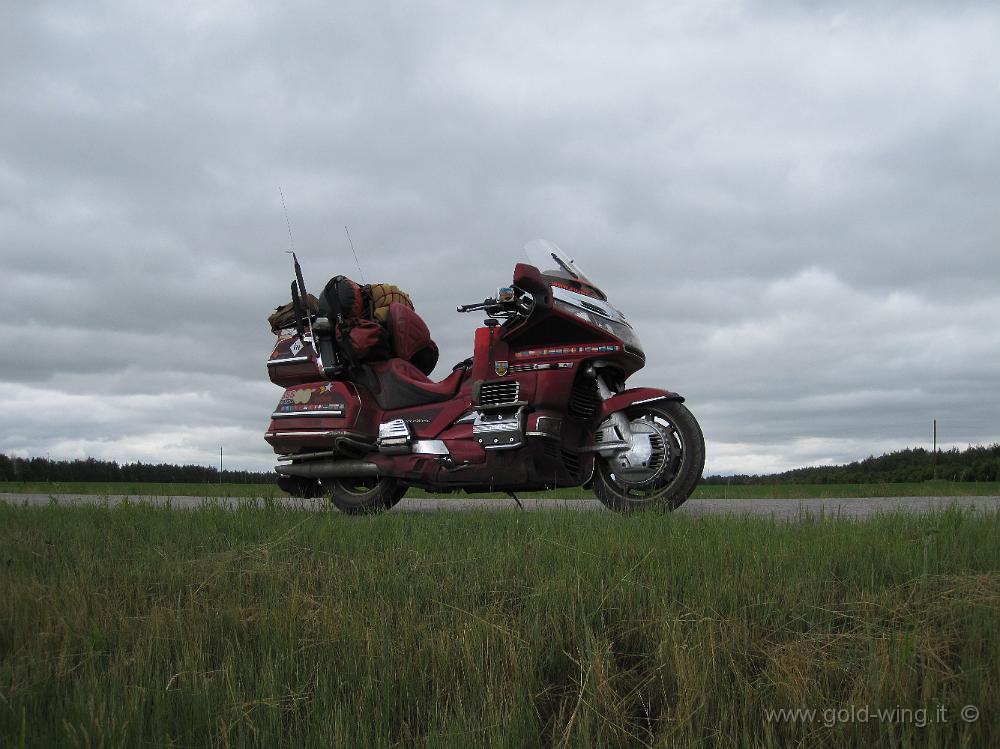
[321, 469]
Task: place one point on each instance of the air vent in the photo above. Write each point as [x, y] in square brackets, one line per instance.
[498, 393]
[571, 461]
[551, 449]
[584, 400]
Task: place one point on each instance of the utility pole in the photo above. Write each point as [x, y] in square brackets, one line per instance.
[220, 464]
[935, 449]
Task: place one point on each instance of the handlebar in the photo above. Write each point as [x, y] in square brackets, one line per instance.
[485, 304]
[511, 304]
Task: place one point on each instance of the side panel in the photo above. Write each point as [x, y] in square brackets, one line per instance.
[462, 446]
[483, 368]
[310, 415]
[555, 386]
[451, 411]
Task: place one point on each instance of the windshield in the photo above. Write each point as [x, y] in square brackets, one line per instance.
[575, 294]
[553, 262]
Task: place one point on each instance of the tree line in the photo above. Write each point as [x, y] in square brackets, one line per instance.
[91, 469]
[912, 464]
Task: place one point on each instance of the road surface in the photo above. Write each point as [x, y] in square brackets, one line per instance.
[779, 508]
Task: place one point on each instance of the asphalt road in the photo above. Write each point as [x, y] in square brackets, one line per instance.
[780, 508]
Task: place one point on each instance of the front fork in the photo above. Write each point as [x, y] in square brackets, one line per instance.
[615, 432]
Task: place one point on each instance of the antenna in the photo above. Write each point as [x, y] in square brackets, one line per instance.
[355, 254]
[298, 273]
[288, 223]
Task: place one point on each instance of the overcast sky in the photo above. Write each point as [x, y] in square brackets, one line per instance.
[797, 205]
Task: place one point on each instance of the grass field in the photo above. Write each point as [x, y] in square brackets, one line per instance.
[135, 625]
[772, 491]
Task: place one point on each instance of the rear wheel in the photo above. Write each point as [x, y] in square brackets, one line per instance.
[663, 466]
[363, 496]
[300, 487]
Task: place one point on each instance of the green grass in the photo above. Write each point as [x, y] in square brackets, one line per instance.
[766, 491]
[837, 491]
[134, 625]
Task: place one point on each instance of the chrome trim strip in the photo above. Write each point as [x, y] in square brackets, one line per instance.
[430, 447]
[496, 426]
[588, 304]
[289, 360]
[648, 400]
[291, 414]
[301, 434]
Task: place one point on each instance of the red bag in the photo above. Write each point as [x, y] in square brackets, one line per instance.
[367, 340]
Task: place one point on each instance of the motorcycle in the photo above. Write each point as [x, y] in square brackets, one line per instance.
[541, 403]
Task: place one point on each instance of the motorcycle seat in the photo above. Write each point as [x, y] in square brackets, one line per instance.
[402, 381]
[399, 384]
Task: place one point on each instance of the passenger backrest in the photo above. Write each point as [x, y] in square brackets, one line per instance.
[410, 339]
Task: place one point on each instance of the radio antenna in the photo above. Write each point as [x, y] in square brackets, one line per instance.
[299, 295]
[355, 254]
[288, 223]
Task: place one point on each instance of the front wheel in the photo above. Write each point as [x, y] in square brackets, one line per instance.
[363, 496]
[662, 467]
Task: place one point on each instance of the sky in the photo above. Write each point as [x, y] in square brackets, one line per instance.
[797, 205]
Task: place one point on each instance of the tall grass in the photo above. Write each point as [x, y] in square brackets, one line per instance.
[137, 625]
[714, 491]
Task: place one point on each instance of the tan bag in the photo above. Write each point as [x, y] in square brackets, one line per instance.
[384, 294]
[284, 316]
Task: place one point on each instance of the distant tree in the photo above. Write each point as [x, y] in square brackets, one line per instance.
[6, 468]
[975, 463]
[91, 469]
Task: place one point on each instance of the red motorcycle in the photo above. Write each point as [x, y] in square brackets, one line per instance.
[541, 404]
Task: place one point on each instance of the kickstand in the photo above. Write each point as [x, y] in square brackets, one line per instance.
[514, 497]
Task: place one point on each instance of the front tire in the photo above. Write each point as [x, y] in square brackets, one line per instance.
[683, 462]
[363, 496]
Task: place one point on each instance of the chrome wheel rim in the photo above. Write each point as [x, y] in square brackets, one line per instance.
[653, 487]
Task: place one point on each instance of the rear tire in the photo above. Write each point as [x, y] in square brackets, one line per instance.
[300, 487]
[363, 496]
[683, 464]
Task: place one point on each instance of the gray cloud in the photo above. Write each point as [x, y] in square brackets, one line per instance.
[796, 203]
